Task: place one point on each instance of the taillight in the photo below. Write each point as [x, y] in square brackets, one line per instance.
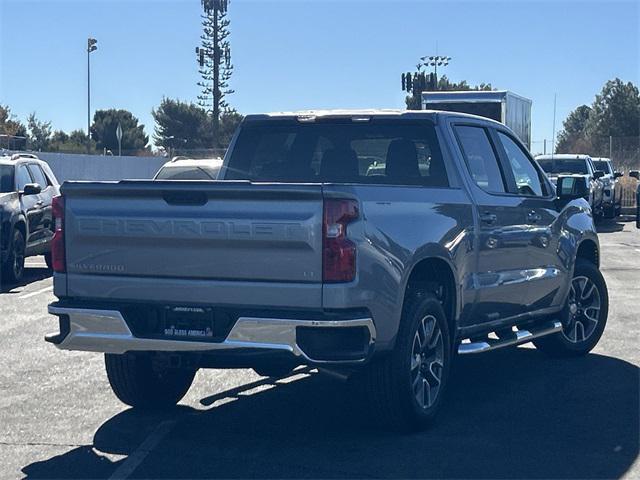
[338, 252]
[57, 243]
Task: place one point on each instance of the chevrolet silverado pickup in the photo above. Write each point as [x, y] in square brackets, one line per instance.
[374, 245]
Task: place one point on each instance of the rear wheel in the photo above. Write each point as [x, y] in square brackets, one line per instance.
[137, 381]
[48, 260]
[584, 315]
[13, 268]
[406, 387]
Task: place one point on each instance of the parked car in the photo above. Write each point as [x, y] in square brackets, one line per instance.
[612, 191]
[306, 255]
[183, 168]
[27, 187]
[580, 165]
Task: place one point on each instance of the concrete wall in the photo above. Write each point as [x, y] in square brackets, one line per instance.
[68, 166]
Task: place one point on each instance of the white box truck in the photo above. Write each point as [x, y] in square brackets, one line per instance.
[500, 105]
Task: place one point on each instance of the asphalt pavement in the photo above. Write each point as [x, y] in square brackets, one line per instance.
[509, 414]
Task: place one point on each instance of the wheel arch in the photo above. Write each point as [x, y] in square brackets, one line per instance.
[437, 275]
[588, 250]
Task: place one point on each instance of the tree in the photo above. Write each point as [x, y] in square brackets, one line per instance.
[39, 133]
[181, 125]
[103, 130]
[215, 59]
[414, 101]
[615, 112]
[13, 134]
[75, 142]
[229, 122]
[573, 129]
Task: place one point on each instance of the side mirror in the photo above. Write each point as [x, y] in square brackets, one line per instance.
[617, 174]
[635, 174]
[570, 188]
[598, 174]
[32, 189]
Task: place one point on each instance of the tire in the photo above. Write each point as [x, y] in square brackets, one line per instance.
[137, 382]
[399, 385]
[13, 268]
[48, 260]
[584, 316]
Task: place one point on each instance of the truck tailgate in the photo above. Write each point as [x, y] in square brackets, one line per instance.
[192, 236]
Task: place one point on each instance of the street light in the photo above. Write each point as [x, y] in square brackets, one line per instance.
[91, 47]
[435, 61]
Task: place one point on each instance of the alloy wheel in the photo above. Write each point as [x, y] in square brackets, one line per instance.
[584, 305]
[18, 258]
[427, 361]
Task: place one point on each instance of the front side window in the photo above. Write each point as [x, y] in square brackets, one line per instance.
[339, 151]
[22, 178]
[480, 158]
[38, 176]
[525, 174]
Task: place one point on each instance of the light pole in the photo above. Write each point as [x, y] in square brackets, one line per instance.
[91, 47]
[435, 61]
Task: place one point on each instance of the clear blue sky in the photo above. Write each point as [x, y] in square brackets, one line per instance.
[310, 54]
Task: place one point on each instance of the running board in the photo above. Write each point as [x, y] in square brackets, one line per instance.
[517, 338]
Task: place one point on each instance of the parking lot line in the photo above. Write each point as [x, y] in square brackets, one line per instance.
[37, 292]
[137, 457]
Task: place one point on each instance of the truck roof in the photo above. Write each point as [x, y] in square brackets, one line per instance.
[19, 158]
[564, 156]
[309, 115]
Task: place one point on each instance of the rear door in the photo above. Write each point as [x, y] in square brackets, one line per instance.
[500, 280]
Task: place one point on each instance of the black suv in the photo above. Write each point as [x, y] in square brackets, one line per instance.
[27, 186]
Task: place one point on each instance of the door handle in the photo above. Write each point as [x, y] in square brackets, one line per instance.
[40, 203]
[488, 218]
[533, 217]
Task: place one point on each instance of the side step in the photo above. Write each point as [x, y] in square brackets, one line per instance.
[516, 338]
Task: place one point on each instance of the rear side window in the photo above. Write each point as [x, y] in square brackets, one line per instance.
[38, 176]
[6, 178]
[22, 177]
[339, 151]
[480, 158]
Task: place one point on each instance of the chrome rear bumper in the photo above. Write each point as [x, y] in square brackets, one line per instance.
[107, 331]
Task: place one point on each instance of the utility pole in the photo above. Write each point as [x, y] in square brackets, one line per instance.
[91, 47]
[216, 49]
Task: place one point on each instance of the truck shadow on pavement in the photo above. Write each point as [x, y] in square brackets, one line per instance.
[31, 274]
[613, 225]
[509, 414]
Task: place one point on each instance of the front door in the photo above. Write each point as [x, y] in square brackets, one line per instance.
[546, 261]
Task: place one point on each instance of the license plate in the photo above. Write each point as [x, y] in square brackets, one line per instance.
[189, 322]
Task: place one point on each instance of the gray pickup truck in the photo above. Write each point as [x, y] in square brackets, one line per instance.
[370, 244]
